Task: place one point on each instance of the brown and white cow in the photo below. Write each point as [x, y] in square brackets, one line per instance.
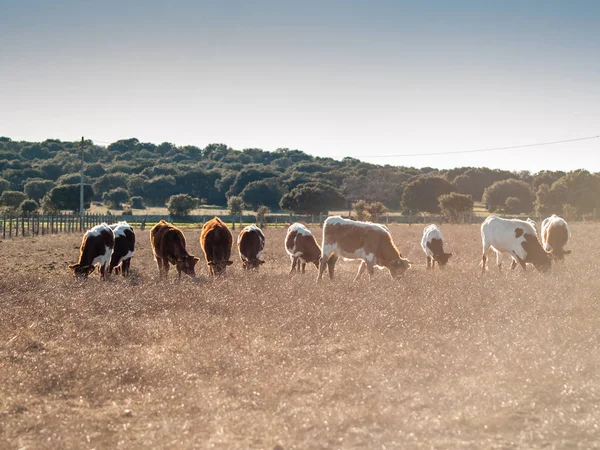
[124, 248]
[369, 242]
[216, 241]
[432, 244]
[96, 250]
[302, 247]
[168, 246]
[555, 236]
[515, 237]
[251, 243]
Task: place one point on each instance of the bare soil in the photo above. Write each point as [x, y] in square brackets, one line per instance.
[438, 359]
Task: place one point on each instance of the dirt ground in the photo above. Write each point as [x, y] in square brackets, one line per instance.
[437, 359]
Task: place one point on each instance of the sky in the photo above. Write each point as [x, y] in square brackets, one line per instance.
[365, 79]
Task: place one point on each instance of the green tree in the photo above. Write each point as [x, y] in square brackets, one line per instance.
[360, 208]
[181, 205]
[69, 178]
[455, 205]
[4, 185]
[114, 198]
[580, 190]
[36, 188]
[262, 192]
[423, 193]
[136, 203]
[248, 175]
[66, 197]
[159, 189]
[496, 195]
[262, 212]
[235, 204]
[12, 199]
[513, 205]
[28, 206]
[474, 181]
[313, 198]
[109, 182]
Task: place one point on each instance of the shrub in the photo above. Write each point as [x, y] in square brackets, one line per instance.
[180, 205]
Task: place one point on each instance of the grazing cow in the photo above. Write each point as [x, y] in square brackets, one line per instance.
[302, 247]
[96, 249]
[168, 246]
[124, 248]
[555, 236]
[216, 241]
[432, 244]
[369, 242]
[516, 237]
[251, 243]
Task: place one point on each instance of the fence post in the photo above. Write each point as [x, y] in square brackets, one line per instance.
[3, 226]
[10, 227]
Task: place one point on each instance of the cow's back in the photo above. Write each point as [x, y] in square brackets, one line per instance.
[216, 240]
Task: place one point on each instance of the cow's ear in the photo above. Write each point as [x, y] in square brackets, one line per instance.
[196, 259]
[73, 266]
[229, 263]
[567, 252]
[448, 255]
[260, 262]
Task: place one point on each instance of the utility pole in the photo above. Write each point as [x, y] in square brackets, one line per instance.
[81, 182]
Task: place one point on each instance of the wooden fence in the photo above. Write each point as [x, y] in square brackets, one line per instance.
[35, 224]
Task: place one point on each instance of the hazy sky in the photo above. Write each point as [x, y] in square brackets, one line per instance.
[331, 78]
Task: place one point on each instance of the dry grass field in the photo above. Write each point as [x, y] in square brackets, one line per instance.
[438, 359]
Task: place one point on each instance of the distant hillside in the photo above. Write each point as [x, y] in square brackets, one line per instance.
[154, 172]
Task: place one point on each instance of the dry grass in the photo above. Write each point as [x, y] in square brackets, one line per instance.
[439, 359]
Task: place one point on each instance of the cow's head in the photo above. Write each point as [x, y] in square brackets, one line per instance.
[560, 254]
[536, 255]
[187, 264]
[218, 267]
[81, 270]
[252, 263]
[442, 259]
[399, 266]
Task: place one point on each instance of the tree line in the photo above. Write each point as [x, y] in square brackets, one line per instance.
[129, 174]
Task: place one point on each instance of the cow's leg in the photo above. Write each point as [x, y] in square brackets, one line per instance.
[322, 265]
[125, 267]
[499, 256]
[429, 262]
[103, 270]
[159, 263]
[331, 265]
[165, 268]
[513, 264]
[303, 267]
[486, 247]
[293, 268]
[361, 270]
[432, 263]
[370, 269]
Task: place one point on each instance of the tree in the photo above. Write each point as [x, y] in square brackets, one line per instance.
[262, 192]
[235, 204]
[36, 188]
[261, 212]
[423, 193]
[109, 182]
[376, 210]
[513, 205]
[114, 198]
[159, 189]
[496, 195]
[580, 190]
[136, 203]
[248, 175]
[28, 206]
[4, 185]
[69, 178]
[181, 205]
[455, 205]
[475, 180]
[66, 197]
[360, 209]
[12, 199]
[313, 198]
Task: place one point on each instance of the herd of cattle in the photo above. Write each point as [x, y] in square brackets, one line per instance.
[111, 247]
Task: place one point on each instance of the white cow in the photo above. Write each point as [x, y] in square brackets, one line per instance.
[515, 237]
[432, 244]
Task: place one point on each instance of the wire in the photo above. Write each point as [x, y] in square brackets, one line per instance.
[493, 149]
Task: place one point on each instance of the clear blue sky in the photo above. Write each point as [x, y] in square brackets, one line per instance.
[331, 78]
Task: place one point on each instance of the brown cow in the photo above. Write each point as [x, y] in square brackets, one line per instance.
[302, 247]
[370, 242]
[168, 246]
[96, 249]
[216, 241]
[251, 243]
[555, 236]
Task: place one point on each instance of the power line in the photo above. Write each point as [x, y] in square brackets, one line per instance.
[492, 149]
